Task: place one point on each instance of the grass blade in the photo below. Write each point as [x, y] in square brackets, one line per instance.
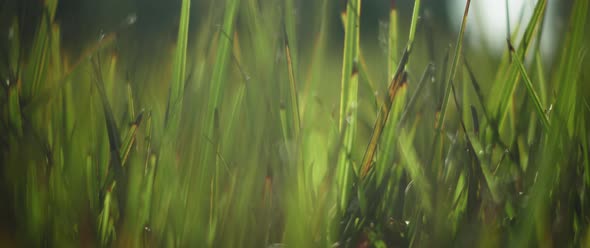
[398, 82]
[179, 71]
[454, 65]
[505, 82]
[531, 91]
[348, 97]
[393, 40]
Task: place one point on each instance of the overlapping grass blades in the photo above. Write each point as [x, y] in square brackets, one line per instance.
[562, 136]
[532, 94]
[178, 72]
[507, 76]
[250, 147]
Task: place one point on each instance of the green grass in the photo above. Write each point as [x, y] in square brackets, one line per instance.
[247, 133]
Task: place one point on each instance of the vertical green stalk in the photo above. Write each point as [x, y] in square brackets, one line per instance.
[414, 24]
[178, 72]
[348, 96]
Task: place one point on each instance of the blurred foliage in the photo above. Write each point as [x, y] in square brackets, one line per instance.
[240, 128]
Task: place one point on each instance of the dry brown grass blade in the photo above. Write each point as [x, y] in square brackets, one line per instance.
[399, 80]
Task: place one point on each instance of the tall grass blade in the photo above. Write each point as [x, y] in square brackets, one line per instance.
[531, 91]
[398, 82]
[414, 24]
[454, 65]
[348, 97]
[393, 39]
[178, 71]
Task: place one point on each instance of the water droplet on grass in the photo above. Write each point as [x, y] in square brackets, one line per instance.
[131, 19]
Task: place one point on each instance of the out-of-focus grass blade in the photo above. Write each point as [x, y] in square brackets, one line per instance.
[147, 177]
[365, 75]
[130, 103]
[45, 96]
[291, 38]
[115, 172]
[209, 161]
[475, 120]
[425, 77]
[130, 139]
[219, 73]
[41, 52]
[393, 40]
[415, 170]
[570, 65]
[14, 55]
[106, 220]
[540, 70]
[236, 104]
[315, 73]
[14, 109]
[293, 109]
[92, 183]
[111, 125]
[559, 138]
[478, 149]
